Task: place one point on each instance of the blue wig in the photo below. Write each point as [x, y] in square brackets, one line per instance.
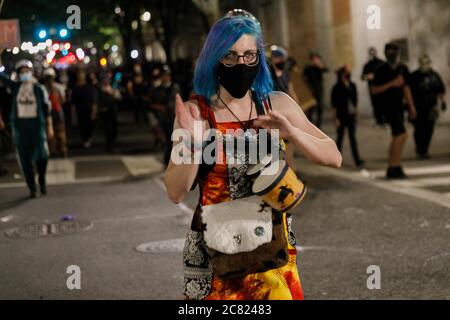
[221, 38]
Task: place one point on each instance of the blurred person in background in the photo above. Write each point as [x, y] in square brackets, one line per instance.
[313, 76]
[163, 103]
[108, 99]
[57, 97]
[3, 171]
[391, 85]
[31, 124]
[5, 137]
[154, 112]
[428, 90]
[138, 91]
[368, 75]
[344, 101]
[83, 98]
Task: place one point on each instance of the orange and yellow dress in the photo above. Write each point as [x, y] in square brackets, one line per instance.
[200, 283]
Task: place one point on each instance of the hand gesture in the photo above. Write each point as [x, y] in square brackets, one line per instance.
[275, 120]
[398, 82]
[187, 115]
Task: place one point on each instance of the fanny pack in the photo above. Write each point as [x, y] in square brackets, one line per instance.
[244, 236]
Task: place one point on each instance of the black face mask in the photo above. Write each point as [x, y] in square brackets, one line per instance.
[237, 80]
[280, 65]
[391, 57]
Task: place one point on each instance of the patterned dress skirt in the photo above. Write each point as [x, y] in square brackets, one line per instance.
[199, 280]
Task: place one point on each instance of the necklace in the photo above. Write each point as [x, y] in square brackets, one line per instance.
[249, 116]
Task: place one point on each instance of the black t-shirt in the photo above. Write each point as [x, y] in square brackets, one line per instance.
[371, 67]
[425, 87]
[280, 83]
[342, 97]
[391, 100]
[314, 76]
[84, 96]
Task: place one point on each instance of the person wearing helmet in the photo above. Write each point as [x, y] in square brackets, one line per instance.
[31, 124]
[57, 97]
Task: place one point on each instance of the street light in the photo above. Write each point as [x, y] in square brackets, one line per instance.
[146, 16]
[134, 54]
[42, 34]
[63, 33]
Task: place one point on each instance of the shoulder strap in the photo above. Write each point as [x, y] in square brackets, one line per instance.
[263, 108]
[205, 110]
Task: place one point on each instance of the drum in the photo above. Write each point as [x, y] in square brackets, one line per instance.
[254, 170]
[281, 189]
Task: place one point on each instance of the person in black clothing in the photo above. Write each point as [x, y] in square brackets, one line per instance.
[427, 88]
[391, 85]
[313, 75]
[368, 75]
[162, 101]
[107, 106]
[344, 100]
[84, 99]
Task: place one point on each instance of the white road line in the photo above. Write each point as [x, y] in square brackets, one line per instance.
[77, 181]
[425, 182]
[6, 218]
[413, 171]
[392, 186]
[142, 165]
[60, 171]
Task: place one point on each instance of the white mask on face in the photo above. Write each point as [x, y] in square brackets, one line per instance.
[27, 76]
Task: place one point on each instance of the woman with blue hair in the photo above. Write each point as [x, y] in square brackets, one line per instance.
[232, 84]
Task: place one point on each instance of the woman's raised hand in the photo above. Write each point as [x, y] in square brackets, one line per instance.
[275, 120]
[188, 114]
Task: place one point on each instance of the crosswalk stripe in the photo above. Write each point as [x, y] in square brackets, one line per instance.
[425, 182]
[413, 171]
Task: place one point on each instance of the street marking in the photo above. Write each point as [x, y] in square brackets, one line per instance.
[426, 182]
[413, 171]
[407, 188]
[60, 171]
[142, 165]
[63, 171]
[6, 218]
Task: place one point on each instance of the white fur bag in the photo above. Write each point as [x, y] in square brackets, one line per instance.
[237, 226]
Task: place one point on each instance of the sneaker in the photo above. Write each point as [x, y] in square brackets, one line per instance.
[360, 164]
[395, 173]
[423, 156]
[401, 174]
[43, 190]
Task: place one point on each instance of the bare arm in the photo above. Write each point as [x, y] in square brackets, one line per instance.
[180, 177]
[409, 101]
[295, 126]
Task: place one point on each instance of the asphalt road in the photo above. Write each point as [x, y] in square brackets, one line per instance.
[344, 225]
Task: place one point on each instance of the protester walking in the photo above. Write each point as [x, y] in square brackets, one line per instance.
[368, 75]
[31, 124]
[344, 100]
[57, 97]
[428, 91]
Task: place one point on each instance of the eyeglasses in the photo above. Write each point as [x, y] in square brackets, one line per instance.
[251, 58]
